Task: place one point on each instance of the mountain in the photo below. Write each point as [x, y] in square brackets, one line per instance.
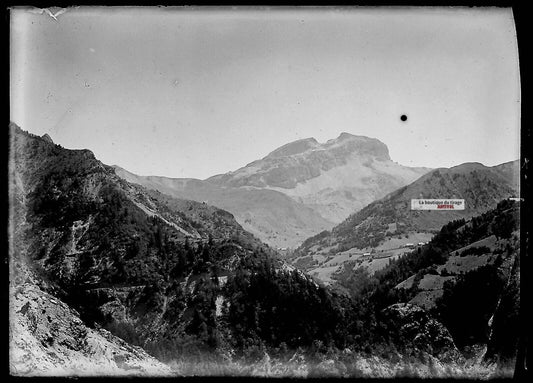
[462, 290]
[112, 259]
[387, 225]
[270, 215]
[299, 189]
[335, 178]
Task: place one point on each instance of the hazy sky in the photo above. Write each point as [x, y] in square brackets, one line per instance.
[194, 92]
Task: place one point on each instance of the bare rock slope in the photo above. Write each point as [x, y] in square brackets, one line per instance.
[48, 338]
[335, 178]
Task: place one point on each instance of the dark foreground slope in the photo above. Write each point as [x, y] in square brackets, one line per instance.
[172, 276]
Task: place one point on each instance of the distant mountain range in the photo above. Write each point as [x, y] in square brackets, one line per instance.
[299, 189]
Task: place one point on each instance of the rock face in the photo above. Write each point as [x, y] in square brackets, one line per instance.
[303, 160]
[48, 338]
[411, 326]
[335, 178]
[295, 147]
[504, 324]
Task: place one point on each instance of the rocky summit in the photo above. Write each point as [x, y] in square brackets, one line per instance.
[335, 178]
[47, 138]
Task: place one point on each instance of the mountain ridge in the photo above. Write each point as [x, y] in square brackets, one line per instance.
[340, 148]
[270, 215]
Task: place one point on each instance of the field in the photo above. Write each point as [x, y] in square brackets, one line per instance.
[323, 265]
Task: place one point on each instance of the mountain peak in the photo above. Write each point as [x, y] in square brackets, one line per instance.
[345, 142]
[345, 136]
[47, 138]
[349, 144]
[295, 147]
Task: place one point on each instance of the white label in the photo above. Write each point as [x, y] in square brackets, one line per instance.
[437, 204]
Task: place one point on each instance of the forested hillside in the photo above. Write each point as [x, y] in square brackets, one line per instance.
[481, 187]
[472, 289]
[168, 275]
[386, 228]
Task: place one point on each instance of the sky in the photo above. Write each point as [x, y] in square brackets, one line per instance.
[194, 92]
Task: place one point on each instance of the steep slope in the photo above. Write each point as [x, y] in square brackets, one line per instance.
[179, 278]
[48, 338]
[118, 255]
[488, 239]
[270, 215]
[467, 277]
[335, 178]
[387, 225]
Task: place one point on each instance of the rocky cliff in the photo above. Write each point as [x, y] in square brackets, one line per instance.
[48, 338]
[335, 178]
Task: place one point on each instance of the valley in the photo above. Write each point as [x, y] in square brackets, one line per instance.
[324, 263]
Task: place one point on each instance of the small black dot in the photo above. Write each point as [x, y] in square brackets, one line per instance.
[403, 117]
